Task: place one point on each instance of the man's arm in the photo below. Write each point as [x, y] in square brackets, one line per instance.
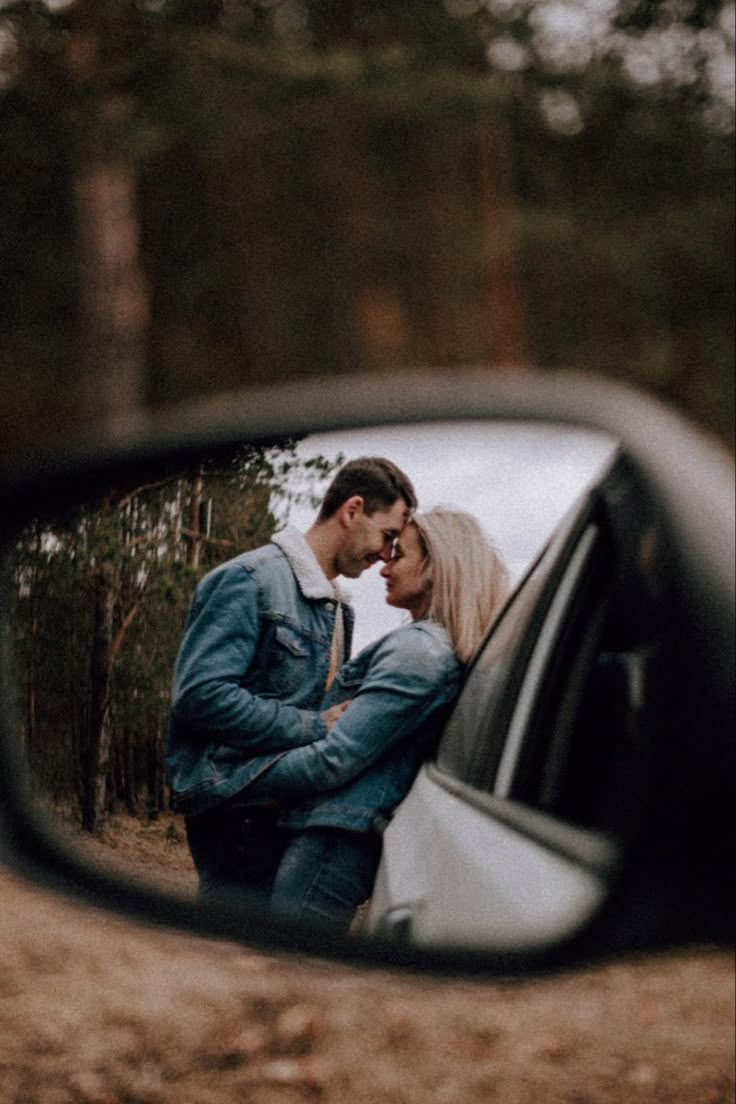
[409, 679]
[218, 647]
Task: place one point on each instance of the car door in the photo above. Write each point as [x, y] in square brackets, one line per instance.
[511, 834]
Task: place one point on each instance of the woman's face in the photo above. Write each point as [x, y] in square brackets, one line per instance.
[406, 585]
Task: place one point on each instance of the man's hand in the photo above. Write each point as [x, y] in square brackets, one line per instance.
[333, 714]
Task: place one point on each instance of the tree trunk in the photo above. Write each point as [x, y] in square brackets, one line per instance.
[114, 295]
[504, 301]
[30, 732]
[445, 279]
[250, 253]
[194, 546]
[155, 769]
[97, 759]
[29, 736]
[129, 773]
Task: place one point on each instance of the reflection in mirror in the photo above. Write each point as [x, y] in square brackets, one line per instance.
[100, 601]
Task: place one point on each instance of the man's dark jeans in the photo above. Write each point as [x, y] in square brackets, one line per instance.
[236, 850]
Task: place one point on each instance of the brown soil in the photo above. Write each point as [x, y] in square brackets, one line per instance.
[96, 1010]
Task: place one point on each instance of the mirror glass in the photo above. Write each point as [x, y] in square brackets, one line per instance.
[491, 846]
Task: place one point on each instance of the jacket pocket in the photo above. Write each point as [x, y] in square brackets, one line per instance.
[288, 662]
[345, 685]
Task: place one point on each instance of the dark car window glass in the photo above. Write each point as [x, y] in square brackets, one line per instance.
[473, 740]
[555, 712]
[585, 741]
[573, 654]
[549, 657]
[588, 745]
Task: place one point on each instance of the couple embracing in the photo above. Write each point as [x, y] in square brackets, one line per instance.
[286, 756]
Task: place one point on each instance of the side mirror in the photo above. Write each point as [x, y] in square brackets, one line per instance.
[577, 804]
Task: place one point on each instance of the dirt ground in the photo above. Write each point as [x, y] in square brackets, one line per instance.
[96, 1010]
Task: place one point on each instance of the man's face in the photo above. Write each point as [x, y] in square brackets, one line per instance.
[370, 538]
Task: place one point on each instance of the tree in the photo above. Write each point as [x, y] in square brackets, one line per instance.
[100, 601]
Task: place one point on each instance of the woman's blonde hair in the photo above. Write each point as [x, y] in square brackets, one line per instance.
[469, 580]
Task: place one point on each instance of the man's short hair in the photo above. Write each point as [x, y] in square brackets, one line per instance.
[378, 481]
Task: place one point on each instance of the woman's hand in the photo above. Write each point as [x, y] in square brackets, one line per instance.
[333, 714]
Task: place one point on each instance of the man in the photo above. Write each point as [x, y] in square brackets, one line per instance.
[264, 636]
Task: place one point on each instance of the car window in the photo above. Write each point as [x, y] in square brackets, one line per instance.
[549, 662]
[553, 714]
[475, 737]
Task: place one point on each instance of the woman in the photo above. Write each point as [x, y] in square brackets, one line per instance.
[384, 711]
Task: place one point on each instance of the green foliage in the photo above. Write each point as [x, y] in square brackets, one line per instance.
[145, 539]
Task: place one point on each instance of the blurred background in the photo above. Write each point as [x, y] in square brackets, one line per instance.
[198, 194]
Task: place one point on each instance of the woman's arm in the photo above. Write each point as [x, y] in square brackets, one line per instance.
[412, 675]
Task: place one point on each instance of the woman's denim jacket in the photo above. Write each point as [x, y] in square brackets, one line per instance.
[251, 670]
[401, 688]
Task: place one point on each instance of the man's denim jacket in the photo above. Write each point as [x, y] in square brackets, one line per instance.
[401, 688]
[251, 670]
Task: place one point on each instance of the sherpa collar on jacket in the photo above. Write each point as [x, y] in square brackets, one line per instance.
[310, 576]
